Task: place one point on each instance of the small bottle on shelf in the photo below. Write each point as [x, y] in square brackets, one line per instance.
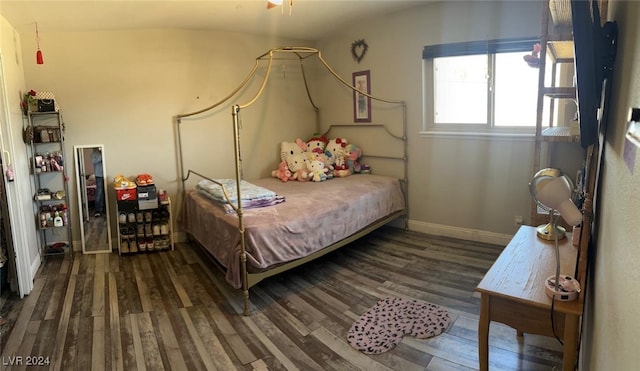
[57, 220]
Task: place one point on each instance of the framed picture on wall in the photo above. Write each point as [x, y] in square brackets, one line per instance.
[361, 102]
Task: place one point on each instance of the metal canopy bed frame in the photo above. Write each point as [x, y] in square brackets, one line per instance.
[250, 279]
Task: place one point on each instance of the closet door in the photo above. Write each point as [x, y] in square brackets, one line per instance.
[8, 278]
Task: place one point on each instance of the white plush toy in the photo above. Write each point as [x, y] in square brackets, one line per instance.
[298, 166]
[317, 170]
[334, 151]
[317, 144]
[292, 148]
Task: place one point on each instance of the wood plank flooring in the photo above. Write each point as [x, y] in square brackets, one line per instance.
[173, 310]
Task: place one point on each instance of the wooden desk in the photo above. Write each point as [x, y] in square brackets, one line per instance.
[512, 292]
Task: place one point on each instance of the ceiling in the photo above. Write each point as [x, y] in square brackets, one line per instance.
[309, 19]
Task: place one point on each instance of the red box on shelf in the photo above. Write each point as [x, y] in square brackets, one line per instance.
[126, 194]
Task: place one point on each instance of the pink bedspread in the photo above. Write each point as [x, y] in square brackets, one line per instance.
[313, 216]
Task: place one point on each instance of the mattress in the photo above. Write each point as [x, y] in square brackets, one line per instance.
[313, 216]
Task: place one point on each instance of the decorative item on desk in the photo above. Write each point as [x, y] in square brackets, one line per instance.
[551, 189]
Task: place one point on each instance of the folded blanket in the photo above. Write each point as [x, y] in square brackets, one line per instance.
[254, 204]
[253, 196]
[248, 190]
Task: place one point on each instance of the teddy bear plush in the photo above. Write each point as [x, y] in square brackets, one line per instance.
[283, 173]
[352, 154]
[317, 170]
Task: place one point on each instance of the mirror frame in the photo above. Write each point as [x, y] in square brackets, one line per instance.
[78, 155]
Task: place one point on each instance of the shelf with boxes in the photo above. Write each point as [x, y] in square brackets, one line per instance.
[45, 136]
[144, 219]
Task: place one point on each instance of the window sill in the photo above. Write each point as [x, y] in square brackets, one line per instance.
[527, 137]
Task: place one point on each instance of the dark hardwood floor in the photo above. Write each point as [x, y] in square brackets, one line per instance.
[173, 310]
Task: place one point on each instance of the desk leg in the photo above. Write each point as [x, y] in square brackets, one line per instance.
[570, 342]
[483, 332]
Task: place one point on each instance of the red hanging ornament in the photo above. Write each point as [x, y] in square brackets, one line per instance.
[39, 58]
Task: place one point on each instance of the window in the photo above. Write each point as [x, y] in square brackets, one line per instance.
[480, 87]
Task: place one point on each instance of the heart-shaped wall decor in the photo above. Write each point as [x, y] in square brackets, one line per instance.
[359, 49]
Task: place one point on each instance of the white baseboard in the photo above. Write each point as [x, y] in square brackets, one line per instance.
[461, 233]
[35, 266]
[422, 227]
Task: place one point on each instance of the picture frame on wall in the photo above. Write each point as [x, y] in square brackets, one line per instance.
[362, 102]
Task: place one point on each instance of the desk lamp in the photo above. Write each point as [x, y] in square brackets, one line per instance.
[551, 189]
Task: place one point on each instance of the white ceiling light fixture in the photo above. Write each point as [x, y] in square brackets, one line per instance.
[273, 3]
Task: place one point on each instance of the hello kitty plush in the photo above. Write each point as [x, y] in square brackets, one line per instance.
[317, 144]
[317, 170]
[298, 166]
[334, 150]
[292, 148]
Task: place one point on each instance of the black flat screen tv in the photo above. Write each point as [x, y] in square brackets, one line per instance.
[595, 50]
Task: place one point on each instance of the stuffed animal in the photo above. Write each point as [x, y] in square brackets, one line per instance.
[351, 154]
[283, 173]
[317, 170]
[340, 167]
[336, 146]
[292, 148]
[298, 166]
[533, 59]
[327, 158]
[317, 144]
[334, 150]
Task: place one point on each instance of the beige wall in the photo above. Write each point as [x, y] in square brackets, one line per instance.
[462, 186]
[119, 88]
[611, 338]
[123, 89]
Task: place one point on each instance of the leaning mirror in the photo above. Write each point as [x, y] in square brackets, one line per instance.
[93, 207]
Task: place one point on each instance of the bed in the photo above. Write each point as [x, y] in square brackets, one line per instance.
[312, 217]
[251, 244]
